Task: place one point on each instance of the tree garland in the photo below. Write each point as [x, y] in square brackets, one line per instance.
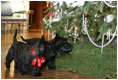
[109, 5]
[102, 44]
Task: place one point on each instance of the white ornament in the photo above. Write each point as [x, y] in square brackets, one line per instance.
[108, 33]
[78, 3]
[47, 3]
[84, 28]
[96, 16]
[74, 4]
[69, 2]
[75, 34]
[44, 20]
[109, 18]
[81, 3]
[55, 20]
[57, 13]
[60, 3]
[55, 3]
[55, 7]
[65, 12]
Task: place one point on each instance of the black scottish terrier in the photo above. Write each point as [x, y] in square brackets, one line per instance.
[24, 54]
[60, 44]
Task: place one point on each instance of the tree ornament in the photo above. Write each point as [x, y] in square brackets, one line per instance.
[96, 15]
[109, 18]
[65, 12]
[91, 29]
[47, 3]
[102, 44]
[81, 3]
[55, 3]
[56, 19]
[69, 2]
[60, 3]
[75, 34]
[75, 19]
[108, 34]
[95, 20]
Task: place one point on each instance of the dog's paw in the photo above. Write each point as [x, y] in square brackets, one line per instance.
[15, 67]
[23, 72]
[52, 68]
[37, 75]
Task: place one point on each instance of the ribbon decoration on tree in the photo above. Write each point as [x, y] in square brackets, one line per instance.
[75, 26]
[75, 19]
[51, 14]
[85, 14]
[37, 60]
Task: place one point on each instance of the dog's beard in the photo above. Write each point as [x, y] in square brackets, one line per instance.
[63, 50]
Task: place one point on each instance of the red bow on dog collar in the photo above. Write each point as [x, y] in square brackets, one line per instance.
[39, 60]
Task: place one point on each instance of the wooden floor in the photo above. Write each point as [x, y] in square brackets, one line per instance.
[6, 41]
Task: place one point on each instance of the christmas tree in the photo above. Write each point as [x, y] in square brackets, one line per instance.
[66, 17]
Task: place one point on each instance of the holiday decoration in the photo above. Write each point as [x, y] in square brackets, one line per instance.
[109, 3]
[97, 19]
[108, 34]
[102, 44]
[109, 18]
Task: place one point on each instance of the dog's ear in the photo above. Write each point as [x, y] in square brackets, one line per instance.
[43, 38]
[66, 39]
[58, 34]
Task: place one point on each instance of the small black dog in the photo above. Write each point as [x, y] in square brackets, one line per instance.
[24, 54]
[60, 44]
[50, 54]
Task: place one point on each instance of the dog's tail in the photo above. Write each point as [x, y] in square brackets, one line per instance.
[15, 34]
[23, 39]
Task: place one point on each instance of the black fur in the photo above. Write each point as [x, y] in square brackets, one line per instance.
[22, 54]
[60, 44]
[50, 55]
